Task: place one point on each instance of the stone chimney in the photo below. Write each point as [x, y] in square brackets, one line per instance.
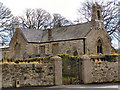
[49, 34]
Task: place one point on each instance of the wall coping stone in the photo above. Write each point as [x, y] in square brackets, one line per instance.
[56, 58]
[85, 57]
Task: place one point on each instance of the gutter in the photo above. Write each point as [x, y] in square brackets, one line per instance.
[81, 38]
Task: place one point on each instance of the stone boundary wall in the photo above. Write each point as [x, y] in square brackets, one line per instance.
[99, 71]
[49, 73]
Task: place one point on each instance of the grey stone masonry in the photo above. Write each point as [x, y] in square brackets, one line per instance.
[98, 71]
[36, 74]
[86, 69]
[57, 61]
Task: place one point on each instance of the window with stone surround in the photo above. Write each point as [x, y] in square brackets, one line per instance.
[98, 14]
[99, 46]
[55, 48]
[42, 49]
[75, 53]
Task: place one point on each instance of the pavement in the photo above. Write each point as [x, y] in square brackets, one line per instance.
[105, 86]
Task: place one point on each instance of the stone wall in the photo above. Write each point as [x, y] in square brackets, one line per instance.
[92, 38]
[17, 40]
[97, 70]
[68, 47]
[105, 71]
[45, 73]
[33, 49]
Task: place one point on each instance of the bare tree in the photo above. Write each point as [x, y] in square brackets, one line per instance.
[15, 23]
[5, 23]
[41, 19]
[109, 13]
[35, 19]
[59, 21]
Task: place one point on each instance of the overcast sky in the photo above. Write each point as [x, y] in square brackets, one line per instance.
[67, 8]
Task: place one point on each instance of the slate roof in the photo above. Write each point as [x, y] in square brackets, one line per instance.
[61, 33]
[32, 35]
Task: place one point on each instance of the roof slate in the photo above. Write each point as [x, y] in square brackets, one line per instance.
[61, 33]
[32, 35]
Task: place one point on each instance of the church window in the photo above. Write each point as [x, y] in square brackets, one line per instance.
[99, 47]
[42, 49]
[98, 14]
[55, 48]
[75, 53]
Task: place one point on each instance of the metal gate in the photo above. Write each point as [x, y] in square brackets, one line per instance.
[72, 71]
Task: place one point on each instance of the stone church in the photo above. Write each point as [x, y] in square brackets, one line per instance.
[85, 38]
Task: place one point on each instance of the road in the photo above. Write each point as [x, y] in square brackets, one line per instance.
[105, 86]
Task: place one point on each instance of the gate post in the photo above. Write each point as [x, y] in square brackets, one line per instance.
[80, 78]
[57, 62]
[86, 69]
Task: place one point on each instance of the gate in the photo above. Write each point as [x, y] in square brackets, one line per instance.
[72, 71]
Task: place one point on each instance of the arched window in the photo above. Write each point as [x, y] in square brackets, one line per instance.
[75, 53]
[98, 14]
[99, 46]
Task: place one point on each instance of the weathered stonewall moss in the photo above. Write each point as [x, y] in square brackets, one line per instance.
[32, 74]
